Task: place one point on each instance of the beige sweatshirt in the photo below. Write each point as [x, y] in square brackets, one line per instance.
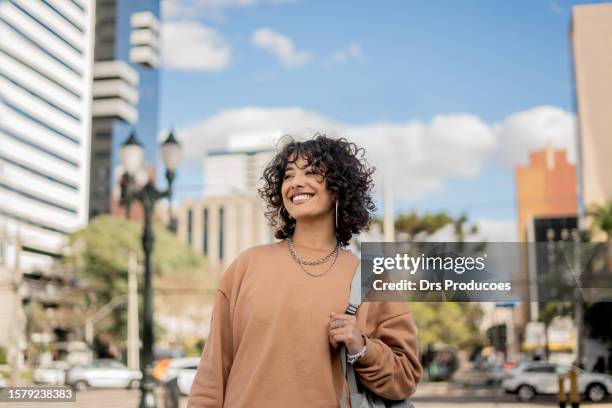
[268, 344]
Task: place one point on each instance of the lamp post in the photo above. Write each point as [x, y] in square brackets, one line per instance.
[136, 185]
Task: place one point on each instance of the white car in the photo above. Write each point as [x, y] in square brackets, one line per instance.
[185, 378]
[103, 373]
[169, 368]
[52, 373]
[538, 377]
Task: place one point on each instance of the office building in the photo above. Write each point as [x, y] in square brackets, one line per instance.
[125, 91]
[230, 172]
[45, 110]
[221, 227]
[46, 92]
[547, 204]
[545, 187]
[591, 35]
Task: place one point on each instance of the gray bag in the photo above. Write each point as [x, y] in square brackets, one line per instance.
[361, 397]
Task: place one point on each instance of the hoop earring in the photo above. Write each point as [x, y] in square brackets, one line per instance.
[280, 221]
[336, 215]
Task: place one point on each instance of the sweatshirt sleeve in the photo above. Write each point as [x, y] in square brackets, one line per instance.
[390, 367]
[208, 389]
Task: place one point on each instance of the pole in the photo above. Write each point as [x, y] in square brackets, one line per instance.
[148, 195]
[389, 226]
[578, 305]
[17, 342]
[100, 314]
[133, 340]
[532, 271]
[147, 397]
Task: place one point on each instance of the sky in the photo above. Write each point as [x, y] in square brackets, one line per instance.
[447, 97]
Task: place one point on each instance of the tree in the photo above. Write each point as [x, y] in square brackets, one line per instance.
[448, 322]
[417, 227]
[98, 255]
[454, 323]
[597, 315]
[601, 216]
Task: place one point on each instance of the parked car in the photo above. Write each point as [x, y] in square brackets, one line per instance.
[103, 373]
[529, 379]
[52, 373]
[169, 368]
[481, 375]
[185, 378]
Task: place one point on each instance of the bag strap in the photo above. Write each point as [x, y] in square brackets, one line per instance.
[355, 295]
[354, 303]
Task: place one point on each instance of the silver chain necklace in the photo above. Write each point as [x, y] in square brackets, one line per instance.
[301, 262]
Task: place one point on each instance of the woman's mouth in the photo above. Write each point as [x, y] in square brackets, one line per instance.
[301, 198]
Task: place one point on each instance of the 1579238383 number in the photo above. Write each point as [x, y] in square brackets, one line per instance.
[38, 394]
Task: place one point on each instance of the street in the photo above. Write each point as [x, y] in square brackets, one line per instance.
[444, 394]
[429, 395]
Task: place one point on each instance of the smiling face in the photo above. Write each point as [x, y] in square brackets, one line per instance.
[305, 192]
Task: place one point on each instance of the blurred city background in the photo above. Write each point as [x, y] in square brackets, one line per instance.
[486, 121]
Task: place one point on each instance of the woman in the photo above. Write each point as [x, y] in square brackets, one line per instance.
[278, 317]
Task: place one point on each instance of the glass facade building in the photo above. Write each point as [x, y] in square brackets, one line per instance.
[126, 90]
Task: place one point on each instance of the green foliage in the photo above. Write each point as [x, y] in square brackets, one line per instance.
[549, 310]
[101, 249]
[99, 255]
[445, 322]
[192, 350]
[602, 218]
[417, 225]
[413, 223]
[2, 355]
[597, 315]
[448, 322]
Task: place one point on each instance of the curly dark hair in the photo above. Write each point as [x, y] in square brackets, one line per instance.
[348, 177]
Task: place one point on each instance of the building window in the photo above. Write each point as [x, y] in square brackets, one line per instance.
[205, 229]
[221, 234]
[37, 198]
[24, 141]
[189, 225]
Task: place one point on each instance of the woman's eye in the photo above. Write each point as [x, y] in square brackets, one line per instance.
[286, 176]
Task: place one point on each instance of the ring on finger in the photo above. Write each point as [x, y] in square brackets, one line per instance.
[338, 323]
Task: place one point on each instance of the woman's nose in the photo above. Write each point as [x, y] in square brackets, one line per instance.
[297, 181]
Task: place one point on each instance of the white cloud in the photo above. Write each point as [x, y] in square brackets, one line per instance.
[208, 9]
[193, 9]
[417, 156]
[353, 51]
[246, 123]
[534, 129]
[280, 46]
[189, 45]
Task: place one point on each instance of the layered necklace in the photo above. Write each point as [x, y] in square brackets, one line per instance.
[334, 253]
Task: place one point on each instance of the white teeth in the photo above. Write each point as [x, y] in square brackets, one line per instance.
[301, 197]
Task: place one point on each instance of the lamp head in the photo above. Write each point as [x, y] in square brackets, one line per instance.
[132, 154]
[171, 152]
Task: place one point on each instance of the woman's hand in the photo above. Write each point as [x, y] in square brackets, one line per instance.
[343, 329]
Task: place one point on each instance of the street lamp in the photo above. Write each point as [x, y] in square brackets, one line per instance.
[136, 185]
